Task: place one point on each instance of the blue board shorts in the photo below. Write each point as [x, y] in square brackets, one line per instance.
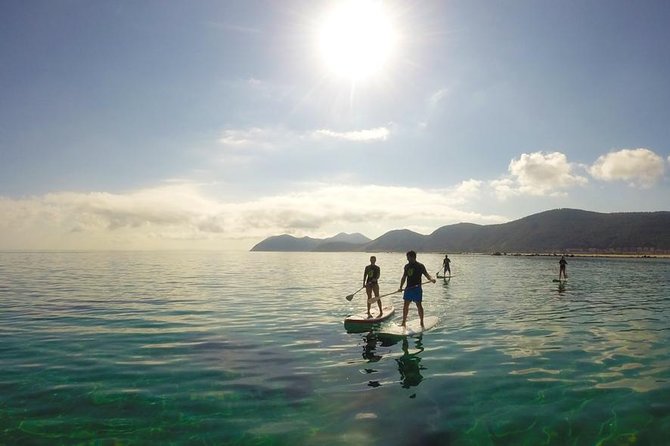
[414, 294]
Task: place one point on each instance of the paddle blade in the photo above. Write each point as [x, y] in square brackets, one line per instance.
[349, 297]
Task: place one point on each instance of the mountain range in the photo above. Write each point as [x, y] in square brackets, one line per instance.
[559, 230]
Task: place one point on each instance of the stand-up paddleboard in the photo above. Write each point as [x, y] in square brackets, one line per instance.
[560, 280]
[362, 318]
[445, 277]
[411, 328]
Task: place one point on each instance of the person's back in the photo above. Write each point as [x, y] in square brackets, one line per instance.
[562, 268]
[446, 264]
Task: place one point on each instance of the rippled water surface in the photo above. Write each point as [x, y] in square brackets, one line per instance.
[250, 348]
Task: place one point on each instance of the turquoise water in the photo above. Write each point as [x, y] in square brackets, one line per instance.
[250, 348]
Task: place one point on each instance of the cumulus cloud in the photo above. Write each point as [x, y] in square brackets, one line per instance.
[469, 187]
[106, 220]
[323, 209]
[465, 191]
[538, 174]
[184, 215]
[639, 167]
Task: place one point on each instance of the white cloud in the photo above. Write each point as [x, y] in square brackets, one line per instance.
[639, 167]
[276, 137]
[469, 187]
[504, 188]
[438, 96]
[255, 137]
[325, 209]
[182, 215]
[138, 219]
[465, 191]
[376, 134]
[538, 174]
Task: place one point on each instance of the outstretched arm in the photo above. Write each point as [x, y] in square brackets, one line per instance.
[425, 273]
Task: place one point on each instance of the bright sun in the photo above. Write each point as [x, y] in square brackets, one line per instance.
[356, 39]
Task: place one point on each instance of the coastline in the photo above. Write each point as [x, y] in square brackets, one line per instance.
[614, 255]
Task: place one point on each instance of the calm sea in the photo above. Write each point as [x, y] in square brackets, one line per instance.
[212, 348]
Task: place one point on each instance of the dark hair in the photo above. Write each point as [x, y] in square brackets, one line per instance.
[411, 254]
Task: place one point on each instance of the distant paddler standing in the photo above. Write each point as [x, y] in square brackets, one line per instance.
[370, 282]
[445, 265]
[561, 271]
[413, 293]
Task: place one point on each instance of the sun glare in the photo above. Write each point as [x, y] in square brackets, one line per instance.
[356, 39]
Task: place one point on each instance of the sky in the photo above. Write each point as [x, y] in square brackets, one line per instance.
[170, 124]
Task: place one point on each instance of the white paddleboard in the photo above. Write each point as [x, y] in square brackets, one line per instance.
[362, 318]
[411, 327]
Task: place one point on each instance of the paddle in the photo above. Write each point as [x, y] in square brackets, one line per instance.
[375, 299]
[447, 277]
[351, 296]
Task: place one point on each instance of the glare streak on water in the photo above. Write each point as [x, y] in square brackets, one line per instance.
[250, 348]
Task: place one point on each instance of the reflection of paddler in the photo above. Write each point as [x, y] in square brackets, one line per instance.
[409, 366]
[369, 348]
[561, 287]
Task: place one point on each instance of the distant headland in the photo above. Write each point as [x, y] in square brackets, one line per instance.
[556, 231]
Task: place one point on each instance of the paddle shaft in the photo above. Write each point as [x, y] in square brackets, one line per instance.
[351, 296]
[375, 299]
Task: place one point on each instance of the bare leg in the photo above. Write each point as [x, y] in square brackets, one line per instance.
[379, 302]
[405, 309]
[368, 290]
[420, 308]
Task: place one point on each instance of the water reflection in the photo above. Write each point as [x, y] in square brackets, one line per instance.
[561, 288]
[370, 348]
[409, 364]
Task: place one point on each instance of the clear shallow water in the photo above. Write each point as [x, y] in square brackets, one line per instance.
[249, 348]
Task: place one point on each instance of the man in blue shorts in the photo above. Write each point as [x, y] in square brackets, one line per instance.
[413, 293]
